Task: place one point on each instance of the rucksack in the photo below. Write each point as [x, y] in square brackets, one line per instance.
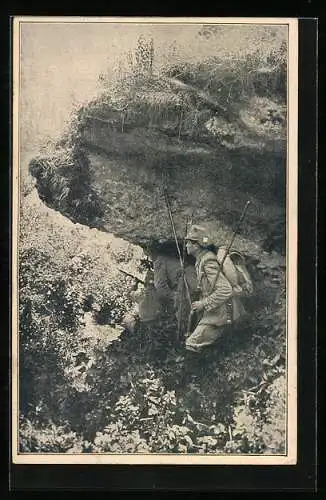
[236, 272]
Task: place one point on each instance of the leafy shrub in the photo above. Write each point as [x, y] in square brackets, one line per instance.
[40, 438]
[259, 421]
[118, 439]
[148, 400]
[57, 283]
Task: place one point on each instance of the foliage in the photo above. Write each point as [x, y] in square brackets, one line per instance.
[236, 99]
[144, 416]
[141, 393]
[60, 278]
[51, 438]
[155, 401]
[58, 185]
[259, 426]
[116, 438]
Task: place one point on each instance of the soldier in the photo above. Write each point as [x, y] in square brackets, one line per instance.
[147, 306]
[160, 299]
[219, 305]
[168, 278]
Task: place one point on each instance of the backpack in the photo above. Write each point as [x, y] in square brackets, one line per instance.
[236, 272]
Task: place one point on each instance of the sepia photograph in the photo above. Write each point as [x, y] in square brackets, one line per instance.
[154, 277]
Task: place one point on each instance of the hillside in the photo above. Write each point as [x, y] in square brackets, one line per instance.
[213, 135]
[74, 350]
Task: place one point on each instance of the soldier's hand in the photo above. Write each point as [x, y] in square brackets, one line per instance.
[197, 306]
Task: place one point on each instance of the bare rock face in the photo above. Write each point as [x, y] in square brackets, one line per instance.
[113, 170]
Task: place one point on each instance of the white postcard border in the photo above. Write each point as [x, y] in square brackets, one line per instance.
[292, 215]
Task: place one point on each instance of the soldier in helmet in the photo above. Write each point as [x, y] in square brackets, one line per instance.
[218, 305]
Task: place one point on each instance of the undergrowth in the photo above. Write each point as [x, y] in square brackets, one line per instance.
[142, 393]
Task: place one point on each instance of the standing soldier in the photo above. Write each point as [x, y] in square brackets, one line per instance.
[219, 305]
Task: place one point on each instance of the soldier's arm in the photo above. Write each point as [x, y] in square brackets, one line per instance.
[222, 289]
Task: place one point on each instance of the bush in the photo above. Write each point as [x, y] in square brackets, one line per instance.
[40, 438]
[58, 283]
[118, 439]
[260, 426]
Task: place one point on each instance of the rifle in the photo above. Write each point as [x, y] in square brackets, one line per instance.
[132, 276]
[231, 242]
[179, 332]
[223, 260]
[167, 201]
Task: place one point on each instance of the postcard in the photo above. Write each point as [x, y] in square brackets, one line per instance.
[154, 277]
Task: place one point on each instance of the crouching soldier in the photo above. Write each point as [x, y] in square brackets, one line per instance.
[159, 301]
[219, 304]
[168, 281]
[147, 305]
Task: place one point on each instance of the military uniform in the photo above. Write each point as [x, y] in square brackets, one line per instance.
[168, 281]
[220, 304]
[166, 276]
[162, 294]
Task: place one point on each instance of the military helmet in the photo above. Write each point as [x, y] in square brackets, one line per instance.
[200, 235]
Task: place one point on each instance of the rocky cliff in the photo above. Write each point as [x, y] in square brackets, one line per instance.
[211, 148]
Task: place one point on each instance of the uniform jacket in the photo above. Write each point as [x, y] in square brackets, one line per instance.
[165, 293]
[215, 300]
[149, 306]
[167, 277]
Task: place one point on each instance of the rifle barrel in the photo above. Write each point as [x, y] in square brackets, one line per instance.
[231, 241]
[132, 276]
[177, 243]
[183, 284]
